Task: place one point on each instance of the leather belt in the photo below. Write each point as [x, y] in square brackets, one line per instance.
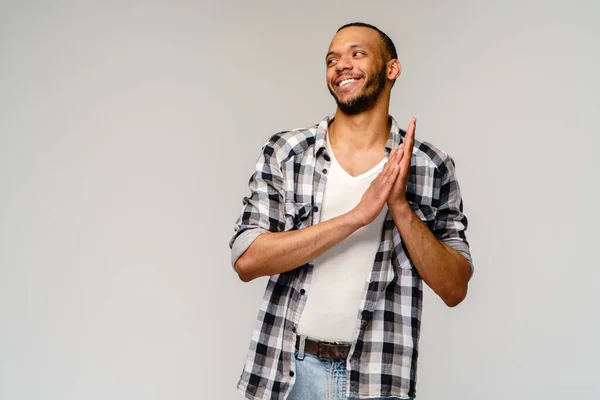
[325, 349]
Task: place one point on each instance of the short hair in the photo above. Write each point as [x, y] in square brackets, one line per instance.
[388, 45]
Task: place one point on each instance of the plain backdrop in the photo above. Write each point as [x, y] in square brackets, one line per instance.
[128, 132]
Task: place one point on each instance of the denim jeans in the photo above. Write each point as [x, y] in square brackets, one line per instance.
[321, 379]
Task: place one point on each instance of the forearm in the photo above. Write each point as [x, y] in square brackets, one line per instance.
[442, 268]
[276, 252]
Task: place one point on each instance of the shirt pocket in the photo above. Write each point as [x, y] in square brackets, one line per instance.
[297, 216]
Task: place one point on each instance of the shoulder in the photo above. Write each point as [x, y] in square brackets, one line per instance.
[425, 154]
[432, 155]
[286, 144]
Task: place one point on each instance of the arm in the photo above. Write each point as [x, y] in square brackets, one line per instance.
[443, 268]
[273, 251]
[276, 252]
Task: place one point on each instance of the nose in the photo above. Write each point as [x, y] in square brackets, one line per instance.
[343, 63]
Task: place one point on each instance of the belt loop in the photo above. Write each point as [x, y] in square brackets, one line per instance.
[301, 347]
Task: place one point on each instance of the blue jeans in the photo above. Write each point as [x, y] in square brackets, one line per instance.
[321, 379]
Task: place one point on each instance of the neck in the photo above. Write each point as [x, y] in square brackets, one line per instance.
[364, 131]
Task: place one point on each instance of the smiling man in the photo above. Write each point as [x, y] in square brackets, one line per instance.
[348, 218]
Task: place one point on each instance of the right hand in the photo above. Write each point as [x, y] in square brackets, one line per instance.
[375, 197]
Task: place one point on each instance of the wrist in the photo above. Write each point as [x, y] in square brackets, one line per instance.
[400, 209]
[353, 220]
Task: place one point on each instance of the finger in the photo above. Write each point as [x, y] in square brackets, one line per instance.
[410, 134]
[391, 172]
[405, 164]
[387, 174]
[393, 159]
[400, 150]
[386, 167]
[392, 175]
[394, 156]
[391, 156]
[412, 127]
[400, 157]
[409, 141]
[388, 184]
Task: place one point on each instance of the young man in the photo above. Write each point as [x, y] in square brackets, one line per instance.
[348, 218]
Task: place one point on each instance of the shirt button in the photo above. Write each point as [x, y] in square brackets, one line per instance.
[325, 171]
[294, 329]
[315, 208]
[302, 291]
[291, 373]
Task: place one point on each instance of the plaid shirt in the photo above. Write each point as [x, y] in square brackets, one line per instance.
[286, 193]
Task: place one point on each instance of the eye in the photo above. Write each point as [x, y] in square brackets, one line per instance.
[359, 53]
[331, 61]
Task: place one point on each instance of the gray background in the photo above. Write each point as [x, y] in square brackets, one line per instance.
[129, 131]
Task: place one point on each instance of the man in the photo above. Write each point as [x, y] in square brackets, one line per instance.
[348, 218]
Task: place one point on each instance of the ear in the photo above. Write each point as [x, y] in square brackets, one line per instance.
[394, 69]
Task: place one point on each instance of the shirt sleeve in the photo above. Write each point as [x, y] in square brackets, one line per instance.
[451, 223]
[264, 209]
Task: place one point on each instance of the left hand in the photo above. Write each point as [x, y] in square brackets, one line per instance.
[397, 195]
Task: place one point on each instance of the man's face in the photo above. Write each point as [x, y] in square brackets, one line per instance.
[356, 69]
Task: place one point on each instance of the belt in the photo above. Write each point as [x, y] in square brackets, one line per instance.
[325, 349]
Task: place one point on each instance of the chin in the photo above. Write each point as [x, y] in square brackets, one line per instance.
[348, 100]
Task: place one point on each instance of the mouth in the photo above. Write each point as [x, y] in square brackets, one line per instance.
[347, 83]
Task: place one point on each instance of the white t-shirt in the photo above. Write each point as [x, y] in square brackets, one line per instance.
[339, 277]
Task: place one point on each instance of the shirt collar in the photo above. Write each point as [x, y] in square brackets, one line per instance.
[395, 139]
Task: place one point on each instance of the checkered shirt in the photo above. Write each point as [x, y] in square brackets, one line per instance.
[286, 193]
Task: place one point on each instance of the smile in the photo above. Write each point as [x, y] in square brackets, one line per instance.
[346, 81]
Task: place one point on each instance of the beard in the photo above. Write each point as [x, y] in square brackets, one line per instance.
[366, 100]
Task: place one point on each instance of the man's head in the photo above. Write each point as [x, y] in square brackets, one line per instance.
[362, 64]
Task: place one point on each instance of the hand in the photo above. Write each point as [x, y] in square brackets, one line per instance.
[374, 199]
[397, 195]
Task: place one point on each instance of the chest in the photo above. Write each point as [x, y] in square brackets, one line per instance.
[357, 163]
[305, 179]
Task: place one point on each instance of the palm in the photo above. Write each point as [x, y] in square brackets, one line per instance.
[377, 194]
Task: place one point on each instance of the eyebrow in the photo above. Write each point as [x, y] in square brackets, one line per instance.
[352, 46]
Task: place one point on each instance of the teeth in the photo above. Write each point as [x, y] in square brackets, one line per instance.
[346, 81]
